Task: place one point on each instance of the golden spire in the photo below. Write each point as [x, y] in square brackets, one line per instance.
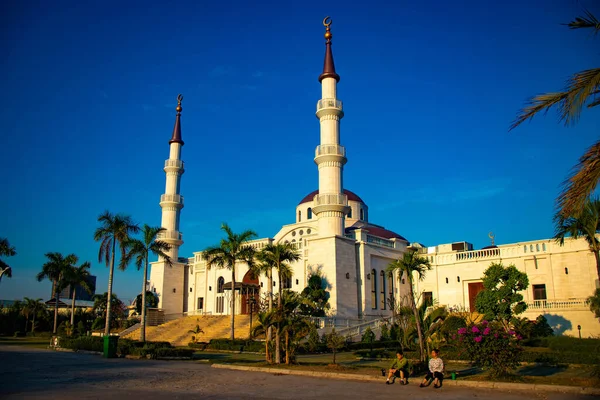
[179, 99]
[176, 137]
[327, 22]
[328, 65]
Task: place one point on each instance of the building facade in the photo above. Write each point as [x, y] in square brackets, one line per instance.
[334, 236]
[560, 279]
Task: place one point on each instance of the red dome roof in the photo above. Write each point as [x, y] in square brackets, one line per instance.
[351, 197]
[378, 231]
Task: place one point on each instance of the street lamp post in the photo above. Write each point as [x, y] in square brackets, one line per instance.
[579, 329]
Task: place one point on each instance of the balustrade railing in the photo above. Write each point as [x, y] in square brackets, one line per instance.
[335, 199]
[327, 149]
[380, 241]
[175, 198]
[169, 235]
[469, 255]
[329, 103]
[174, 163]
[553, 304]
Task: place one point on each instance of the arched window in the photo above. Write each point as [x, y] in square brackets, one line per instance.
[531, 248]
[299, 215]
[544, 246]
[220, 306]
[537, 247]
[309, 213]
[525, 249]
[374, 289]
[382, 277]
[350, 213]
[362, 214]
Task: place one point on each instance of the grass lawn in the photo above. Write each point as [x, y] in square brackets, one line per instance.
[570, 375]
[39, 342]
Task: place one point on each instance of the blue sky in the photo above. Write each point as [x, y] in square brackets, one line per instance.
[429, 90]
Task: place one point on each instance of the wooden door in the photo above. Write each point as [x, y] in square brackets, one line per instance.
[474, 289]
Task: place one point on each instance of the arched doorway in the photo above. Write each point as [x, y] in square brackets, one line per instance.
[250, 293]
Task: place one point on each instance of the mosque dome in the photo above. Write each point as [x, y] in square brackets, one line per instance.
[351, 197]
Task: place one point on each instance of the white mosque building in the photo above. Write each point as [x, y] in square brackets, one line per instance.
[333, 234]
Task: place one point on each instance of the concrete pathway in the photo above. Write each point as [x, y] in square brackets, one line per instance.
[27, 373]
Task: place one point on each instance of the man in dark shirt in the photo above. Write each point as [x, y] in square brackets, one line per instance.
[398, 368]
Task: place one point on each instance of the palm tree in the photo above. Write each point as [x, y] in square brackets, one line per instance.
[140, 250]
[292, 324]
[227, 254]
[6, 250]
[54, 270]
[196, 332]
[78, 276]
[114, 230]
[264, 322]
[594, 303]
[409, 264]
[586, 224]
[581, 91]
[277, 256]
[38, 309]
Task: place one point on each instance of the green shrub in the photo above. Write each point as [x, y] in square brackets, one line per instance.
[89, 343]
[390, 345]
[18, 334]
[236, 345]
[451, 325]
[198, 345]
[179, 352]
[489, 346]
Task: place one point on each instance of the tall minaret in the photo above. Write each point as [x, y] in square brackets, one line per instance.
[331, 204]
[172, 202]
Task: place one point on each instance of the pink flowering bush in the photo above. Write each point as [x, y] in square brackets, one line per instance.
[491, 347]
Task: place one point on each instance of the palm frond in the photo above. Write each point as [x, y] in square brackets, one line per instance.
[587, 21]
[581, 88]
[581, 184]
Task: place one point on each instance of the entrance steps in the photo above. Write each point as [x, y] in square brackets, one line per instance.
[177, 333]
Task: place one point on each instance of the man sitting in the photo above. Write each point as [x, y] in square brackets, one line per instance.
[399, 368]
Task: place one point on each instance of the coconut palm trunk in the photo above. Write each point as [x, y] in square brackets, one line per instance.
[413, 304]
[73, 307]
[278, 331]
[232, 302]
[143, 328]
[110, 284]
[55, 307]
[270, 294]
[287, 347]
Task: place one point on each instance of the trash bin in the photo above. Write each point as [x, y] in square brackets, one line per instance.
[110, 346]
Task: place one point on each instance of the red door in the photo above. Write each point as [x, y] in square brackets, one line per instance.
[474, 289]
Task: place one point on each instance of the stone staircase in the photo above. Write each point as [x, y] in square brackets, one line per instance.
[177, 331]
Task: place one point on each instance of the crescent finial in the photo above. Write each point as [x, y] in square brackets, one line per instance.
[327, 21]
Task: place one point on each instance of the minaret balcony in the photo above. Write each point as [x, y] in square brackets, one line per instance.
[330, 202]
[171, 199]
[329, 106]
[330, 149]
[330, 152]
[174, 164]
[173, 235]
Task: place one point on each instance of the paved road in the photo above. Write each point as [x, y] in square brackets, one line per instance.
[34, 373]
